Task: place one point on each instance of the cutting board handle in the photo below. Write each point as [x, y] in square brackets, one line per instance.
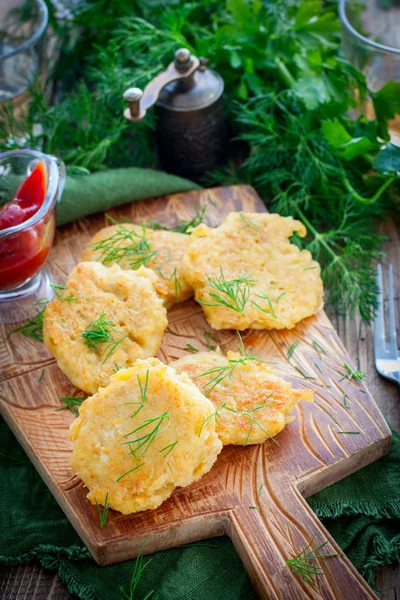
[267, 536]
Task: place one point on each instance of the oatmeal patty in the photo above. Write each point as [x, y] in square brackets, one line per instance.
[247, 274]
[143, 435]
[105, 319]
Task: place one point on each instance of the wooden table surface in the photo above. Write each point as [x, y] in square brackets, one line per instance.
[32, 582]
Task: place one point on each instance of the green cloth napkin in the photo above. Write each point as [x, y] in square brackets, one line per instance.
[85, 194]
[361, 512]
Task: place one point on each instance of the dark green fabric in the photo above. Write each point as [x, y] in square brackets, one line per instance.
[86, 194]
[366, 507]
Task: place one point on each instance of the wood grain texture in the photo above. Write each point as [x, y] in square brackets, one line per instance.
[311, 454]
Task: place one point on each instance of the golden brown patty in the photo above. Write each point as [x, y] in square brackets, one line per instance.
[122, 305]
[131, 245]
[247, 274]
[144, 434]
[250, 402]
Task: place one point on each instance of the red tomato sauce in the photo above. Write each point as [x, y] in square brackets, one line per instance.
[23, 253]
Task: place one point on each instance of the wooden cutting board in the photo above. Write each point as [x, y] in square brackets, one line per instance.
[311, 453]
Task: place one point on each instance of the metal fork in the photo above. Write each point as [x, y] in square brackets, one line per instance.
[387, 355]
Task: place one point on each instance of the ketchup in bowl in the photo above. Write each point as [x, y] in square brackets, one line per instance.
[23, 252]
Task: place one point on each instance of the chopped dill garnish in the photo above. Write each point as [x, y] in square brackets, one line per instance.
[349, 432]
[302, 564]
[320, 351]
[57, 288]
[280, 296]
[41, 375]
[170, 468]
[116, 368]
[125, 244]
[310, 268]
[33, 328]
[177, 285]
[168, 330]
[249, 223]
[255, 507]
[316, 365]
[302, 373]
[223, 372]
[232, 294]
[100, 332]
[271, 308]
[352, 374]
[292, 348]
[140, 566]
[253, 421]
[210, 336]
[190, 348]
[182, 226]
[143, 389]
[260, 489]
[170, 447]
[328, 414]
[71, 403]
[140, 445]
[103, 514]
[214, 414]
[345, 400]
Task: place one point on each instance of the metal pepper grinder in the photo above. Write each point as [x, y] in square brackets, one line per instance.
[190, 134]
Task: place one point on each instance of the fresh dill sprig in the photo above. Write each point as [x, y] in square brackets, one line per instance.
[210, 336]
[248, 222]
[71, 403]
[270, 306]
[255, 507]
[349, 432]
[33, 328]
[253, 421]
[303, 563]
[222, 372]
[190, 348]
[292, 349]
[215, 415]
[345, 400]
[182, 226]
[41, 375]
[170, 447]
[320, 351]
[140, 445]
[98, 333]
[352, 374]
[232, 294]
[260, 489]
[177, 285]
[125, 244]
[138, 569]
[58, 288]
[103, 514]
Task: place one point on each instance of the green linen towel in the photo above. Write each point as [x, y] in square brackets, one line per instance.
[85, 194]
[363, 518]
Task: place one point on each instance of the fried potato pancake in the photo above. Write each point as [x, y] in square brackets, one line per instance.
[247, 274]
[122, 313]
[131, 245]
[143, 435]
[250, 402]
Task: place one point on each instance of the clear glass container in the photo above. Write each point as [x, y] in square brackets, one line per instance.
[22, 25]
[371, 42]
[24, 248]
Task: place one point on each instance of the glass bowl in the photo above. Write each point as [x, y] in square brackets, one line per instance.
[22, 25]
[24, 248]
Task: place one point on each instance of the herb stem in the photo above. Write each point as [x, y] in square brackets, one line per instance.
[284, 72]
[373, 198]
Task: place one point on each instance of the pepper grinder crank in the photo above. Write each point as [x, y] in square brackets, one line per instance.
[191, 137]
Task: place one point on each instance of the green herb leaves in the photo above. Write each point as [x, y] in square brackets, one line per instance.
[32, 328]
[304, 563]
[102, 332]
[232, 294]
[125, 244]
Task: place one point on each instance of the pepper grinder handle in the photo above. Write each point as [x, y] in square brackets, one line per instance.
[184, 65]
